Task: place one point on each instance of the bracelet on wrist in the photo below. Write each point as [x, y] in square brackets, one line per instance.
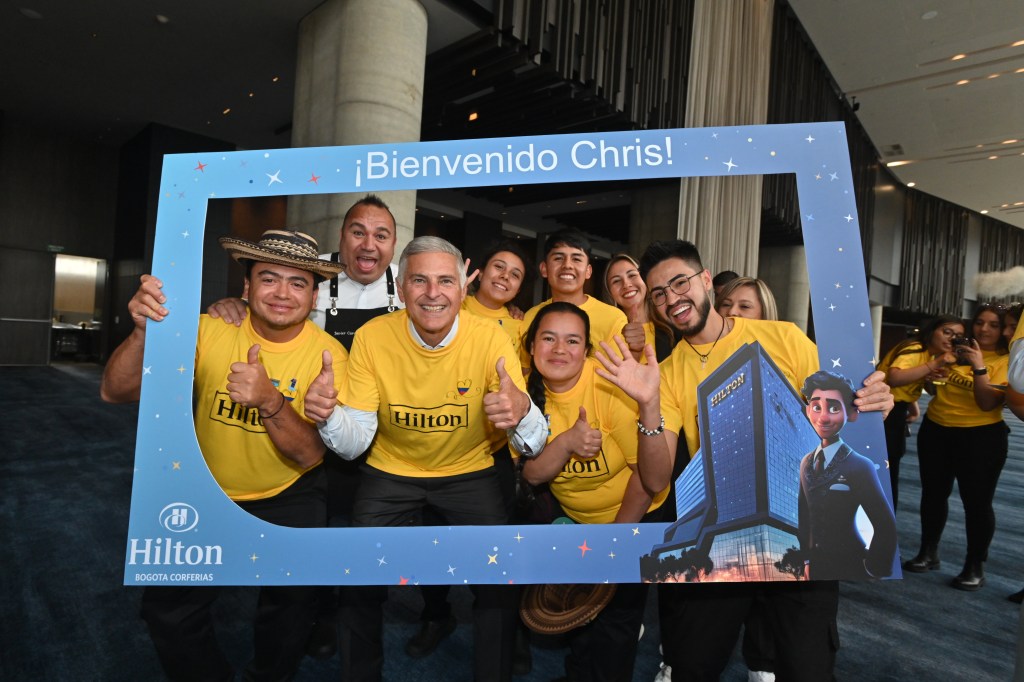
[979, 372]
[283, 402]
[651, 432]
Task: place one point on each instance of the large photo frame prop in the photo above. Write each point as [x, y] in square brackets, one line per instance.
[183, 529]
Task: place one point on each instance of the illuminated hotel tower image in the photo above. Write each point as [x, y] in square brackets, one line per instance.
[737, 500]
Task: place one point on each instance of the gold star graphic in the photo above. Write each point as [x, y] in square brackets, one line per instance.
[492, 558]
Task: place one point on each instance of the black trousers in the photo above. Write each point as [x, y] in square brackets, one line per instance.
[701, 622]
[973, 457]
[181, 625]
[389, 500]
[896, 445]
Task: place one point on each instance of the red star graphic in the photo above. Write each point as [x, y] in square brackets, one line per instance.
[201, 166]
[314, 179]
[583, 548]
[403, 581]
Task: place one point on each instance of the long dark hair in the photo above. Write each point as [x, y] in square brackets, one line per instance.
[1000, 311]
[535, 382]
[920, 341]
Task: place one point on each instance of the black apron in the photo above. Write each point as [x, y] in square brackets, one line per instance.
[342, 323]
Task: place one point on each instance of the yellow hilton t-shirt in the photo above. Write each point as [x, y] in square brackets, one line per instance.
[590, 489]
[233, 439]
[512, 326]
[908, 358]
[605, 322]
[681, 372]
[429, 403]
[954, 405]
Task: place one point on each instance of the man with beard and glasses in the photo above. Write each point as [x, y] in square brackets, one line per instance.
[700, 624]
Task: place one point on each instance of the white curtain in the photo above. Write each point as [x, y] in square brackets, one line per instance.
[729, 69]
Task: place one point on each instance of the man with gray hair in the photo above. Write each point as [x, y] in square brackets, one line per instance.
[436, 393]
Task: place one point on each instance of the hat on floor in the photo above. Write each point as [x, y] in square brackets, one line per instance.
[556, 609]
[283, 247]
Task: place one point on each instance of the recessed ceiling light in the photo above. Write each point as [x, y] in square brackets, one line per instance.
[957, 57]
[911, 184]
[30, 13]
[162, 19]
[993, 157]
[930, 14]
[1010, 141]
[985, 212]
[274, 79]
[226, 111]
[473, 116]
[1018, 43]
[894, 164]
[252, 94]
[1020, 70]
[993, 75]
[963, 82]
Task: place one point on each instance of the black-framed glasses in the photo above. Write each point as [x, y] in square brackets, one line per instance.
[679, 285]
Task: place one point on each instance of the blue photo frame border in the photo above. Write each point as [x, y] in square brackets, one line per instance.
[183, 529]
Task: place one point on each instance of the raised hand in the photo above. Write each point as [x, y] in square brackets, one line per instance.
[585, 441]
[321, 397]
[147, 303]
[249, 385]
[634, 335]
[507, 405]
[640, 382]
[470, 276]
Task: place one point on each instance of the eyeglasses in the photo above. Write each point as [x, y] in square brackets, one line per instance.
[679, 285]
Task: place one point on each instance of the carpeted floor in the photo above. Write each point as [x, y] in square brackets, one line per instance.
[65, 480]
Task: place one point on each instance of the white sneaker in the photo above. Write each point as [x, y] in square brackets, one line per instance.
[664, 674]
[760, 676]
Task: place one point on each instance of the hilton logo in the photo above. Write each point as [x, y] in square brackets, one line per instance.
[443, 418]
[179, 517]
[176, 517]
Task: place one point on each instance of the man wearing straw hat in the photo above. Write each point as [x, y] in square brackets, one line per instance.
[255, 375]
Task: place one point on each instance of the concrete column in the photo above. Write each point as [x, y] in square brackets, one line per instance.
[358, 80]
[784, 270]
[876, 328]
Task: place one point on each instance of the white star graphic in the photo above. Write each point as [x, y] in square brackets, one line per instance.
[817, 176]
[517, 537]
[147, 370]
[848, 217]
[451, 569]
[381, 562]
[274, 178]
[833, 176]
[832, 306]
[838, 285]
[185, 234]
[810, 217]
[809, 139]
[873, 362]
[253, 558]
[436, 541]
[729, 164]
[714, 135]
[836, 363]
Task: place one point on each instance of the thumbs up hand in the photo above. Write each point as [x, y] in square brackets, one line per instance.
[507, 405]
[249, 385]
[321, 397]
[586, 441]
